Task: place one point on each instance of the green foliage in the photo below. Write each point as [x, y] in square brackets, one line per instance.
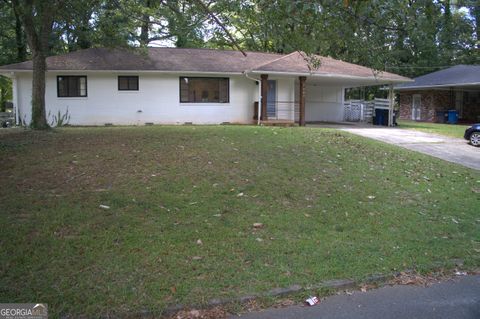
[60, 119]
[406, 37]
[144, 22]
[9, 47]
[5, 92]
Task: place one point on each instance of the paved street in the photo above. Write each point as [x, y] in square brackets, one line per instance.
[457, 298]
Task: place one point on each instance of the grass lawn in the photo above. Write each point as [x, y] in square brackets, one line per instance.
[450, 130]
[333, 205]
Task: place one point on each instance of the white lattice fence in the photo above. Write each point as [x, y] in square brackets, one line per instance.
[363, 111]
[354, 111]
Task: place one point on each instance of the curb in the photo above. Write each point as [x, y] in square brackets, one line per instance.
[334, 284]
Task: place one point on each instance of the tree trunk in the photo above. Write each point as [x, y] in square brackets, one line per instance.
[83, 37]
[20, 39]
[39, 120]
[145, 26]
[144, 32]
[447, 33]
[37, 20]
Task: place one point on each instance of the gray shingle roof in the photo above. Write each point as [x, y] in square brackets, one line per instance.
[297, 62]
[154, 59]
[459, 75]
[198, 60]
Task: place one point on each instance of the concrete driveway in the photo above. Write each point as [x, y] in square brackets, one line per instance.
[449, 149]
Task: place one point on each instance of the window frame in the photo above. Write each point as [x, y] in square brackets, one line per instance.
[128, 82]
[181, 78]
[72, 76]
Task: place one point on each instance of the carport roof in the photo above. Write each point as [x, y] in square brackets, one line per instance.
[300, 64]
[456, 76]
[186, 60]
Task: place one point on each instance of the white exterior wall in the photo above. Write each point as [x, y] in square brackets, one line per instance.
[159, 102]
[156, 101]
[24, 97]
[323, 103]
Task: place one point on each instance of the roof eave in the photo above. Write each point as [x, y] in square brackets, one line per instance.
[405, 88]
[6, 71]
[333, 75]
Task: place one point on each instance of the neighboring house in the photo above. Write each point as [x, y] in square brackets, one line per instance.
[430, 95]
[200, 86]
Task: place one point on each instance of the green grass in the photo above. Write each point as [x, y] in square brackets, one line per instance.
[450, 130]
[167, 187]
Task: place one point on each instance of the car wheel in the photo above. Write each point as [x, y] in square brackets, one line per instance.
[475, 139]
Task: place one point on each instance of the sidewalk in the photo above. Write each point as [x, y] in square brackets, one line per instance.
[456, 298]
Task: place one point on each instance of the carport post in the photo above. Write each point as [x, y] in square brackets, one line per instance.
[390, 105]
[301, 118]
[263, 100]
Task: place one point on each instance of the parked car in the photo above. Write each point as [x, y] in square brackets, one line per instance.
[472, 134]
[6, 119]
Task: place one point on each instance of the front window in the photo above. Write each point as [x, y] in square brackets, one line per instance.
[71, 86]
[128, 83]
[204, 90]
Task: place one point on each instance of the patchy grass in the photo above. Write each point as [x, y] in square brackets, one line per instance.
[451, 130]
[332, 205]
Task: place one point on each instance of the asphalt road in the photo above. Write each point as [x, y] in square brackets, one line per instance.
[458, 298]
[449, 149]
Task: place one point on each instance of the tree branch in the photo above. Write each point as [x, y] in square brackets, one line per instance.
[218, 22]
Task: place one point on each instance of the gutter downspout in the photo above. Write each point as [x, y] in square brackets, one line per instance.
[259, 95]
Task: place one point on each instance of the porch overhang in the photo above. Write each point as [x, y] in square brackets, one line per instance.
[323, 78]
[331, 79]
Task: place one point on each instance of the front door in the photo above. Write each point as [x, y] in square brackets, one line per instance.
[272, 99]
[416, 107]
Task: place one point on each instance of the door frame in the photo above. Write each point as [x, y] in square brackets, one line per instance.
[416, 110]
[274, 102]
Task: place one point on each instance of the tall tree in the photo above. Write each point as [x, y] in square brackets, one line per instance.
[37, 17]
[20, 41]
[446, 35]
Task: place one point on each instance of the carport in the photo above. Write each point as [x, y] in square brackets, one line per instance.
[292, 91]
